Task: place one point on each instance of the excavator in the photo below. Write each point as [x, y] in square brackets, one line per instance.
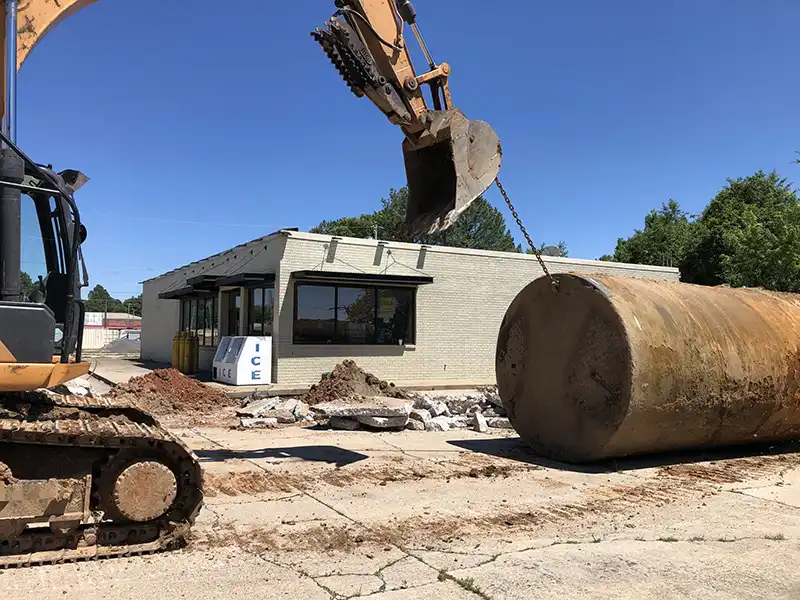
[85, 478]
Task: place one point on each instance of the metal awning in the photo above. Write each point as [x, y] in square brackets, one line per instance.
[178, 294]
[203, 282]
[246, 279]
[362, 278]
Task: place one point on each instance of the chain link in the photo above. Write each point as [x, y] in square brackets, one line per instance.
[513, 210]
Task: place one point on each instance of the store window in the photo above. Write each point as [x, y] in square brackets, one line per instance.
[346, 314]
[199, 317]
[261, 310]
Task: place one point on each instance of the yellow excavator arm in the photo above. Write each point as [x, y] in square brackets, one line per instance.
[449, 160]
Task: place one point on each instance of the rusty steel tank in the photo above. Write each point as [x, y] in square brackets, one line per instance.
[613, 366]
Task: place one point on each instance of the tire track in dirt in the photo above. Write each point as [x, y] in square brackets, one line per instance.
[670, 485]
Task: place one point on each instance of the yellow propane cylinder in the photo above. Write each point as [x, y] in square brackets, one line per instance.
[184, 364]
[194, 351]
[176, 350]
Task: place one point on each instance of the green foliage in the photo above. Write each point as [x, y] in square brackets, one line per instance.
[663, 241]
[481, 226]
[27, 285]
[748, 235]
[133, 305]
[99, 300]
[560, 249]
[606, 257]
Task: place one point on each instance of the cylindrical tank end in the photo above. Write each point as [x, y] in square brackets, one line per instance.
[564, 369]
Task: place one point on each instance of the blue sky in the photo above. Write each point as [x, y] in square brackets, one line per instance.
[201, 128]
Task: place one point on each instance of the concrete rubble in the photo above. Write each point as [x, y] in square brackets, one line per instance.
[480, 410]
[261, 412]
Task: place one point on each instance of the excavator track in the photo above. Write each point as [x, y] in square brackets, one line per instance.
[87, 478]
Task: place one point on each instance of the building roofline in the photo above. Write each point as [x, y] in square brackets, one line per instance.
[318, 237]
[280, 232]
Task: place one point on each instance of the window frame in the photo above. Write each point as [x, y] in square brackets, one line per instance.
[376, 290]
[206, 339]
[265, 287]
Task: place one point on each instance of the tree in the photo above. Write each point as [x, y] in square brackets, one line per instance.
[27, 285]
[133, 305]
[99, 300]
[748, 235]
[559, 249]
[480, 226]
[663, 241]
[606, 258]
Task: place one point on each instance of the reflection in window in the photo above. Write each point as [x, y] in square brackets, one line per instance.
[394, 316]
[33, 262]
[331, 314]
[261, 309]
[315, 314]
[355, 316]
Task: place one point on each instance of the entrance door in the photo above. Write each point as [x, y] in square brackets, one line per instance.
[233, 300]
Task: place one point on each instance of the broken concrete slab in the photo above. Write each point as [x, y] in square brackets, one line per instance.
[383, 422]
[422, 415]
[499, 423]
[368, 407]
[300, 410]
[424, 403]
[459, 405]
[460, 421]
[479, 423]
[440, 410]
[258, 422]
[285, 411]
[438, 424]
[256, 408]
[344, 423]
[415, 425]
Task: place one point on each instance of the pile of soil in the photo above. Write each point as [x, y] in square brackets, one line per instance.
[168, 391]
[348, 381]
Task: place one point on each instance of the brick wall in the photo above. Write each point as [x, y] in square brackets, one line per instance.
[458, 316]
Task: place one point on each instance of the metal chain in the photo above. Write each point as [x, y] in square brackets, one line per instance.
[513, 210]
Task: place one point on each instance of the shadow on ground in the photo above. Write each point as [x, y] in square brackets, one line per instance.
[515, 449]
[333, 455]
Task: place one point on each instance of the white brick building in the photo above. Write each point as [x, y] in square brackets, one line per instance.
[408, 313]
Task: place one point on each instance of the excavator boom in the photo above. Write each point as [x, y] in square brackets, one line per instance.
[449, 160]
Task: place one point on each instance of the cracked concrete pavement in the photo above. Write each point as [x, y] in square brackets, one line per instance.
[307, 513]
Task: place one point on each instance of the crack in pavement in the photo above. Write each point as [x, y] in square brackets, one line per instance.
[743, 492]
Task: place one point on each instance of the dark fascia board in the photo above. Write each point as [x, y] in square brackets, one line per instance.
[184, 292]
[337, 277]
[246, 279]
[204, 283]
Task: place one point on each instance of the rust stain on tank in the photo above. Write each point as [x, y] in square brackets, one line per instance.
[695, 367]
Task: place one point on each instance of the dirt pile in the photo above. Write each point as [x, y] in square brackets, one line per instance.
[168, 391]
[348, 381]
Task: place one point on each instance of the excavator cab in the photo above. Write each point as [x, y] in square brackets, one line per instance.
[449, 160]
[41, 330]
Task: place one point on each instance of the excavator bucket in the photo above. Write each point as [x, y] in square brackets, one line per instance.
[449, 170]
